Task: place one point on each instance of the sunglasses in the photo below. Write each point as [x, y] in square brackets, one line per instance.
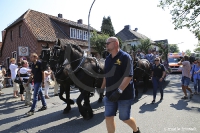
[156, 60]
[109, 42]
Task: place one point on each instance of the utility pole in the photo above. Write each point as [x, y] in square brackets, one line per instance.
[89, 29]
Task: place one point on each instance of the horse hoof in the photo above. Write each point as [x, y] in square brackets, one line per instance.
[88, 116]
[71, 101]
[66, 111]
[100, 100]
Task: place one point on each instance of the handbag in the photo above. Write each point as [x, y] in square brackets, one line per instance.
[49, 81]
[17, 79]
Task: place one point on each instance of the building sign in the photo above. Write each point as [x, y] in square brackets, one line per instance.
[23, 51]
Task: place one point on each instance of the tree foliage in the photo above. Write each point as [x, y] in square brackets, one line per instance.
[98, 42]
[145, 45]
[163, 50]
[197, 49]
[107, 27]
[173, 48]
[185, 13]
[188, 52]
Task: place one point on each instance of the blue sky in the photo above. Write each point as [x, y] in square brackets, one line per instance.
[150, 20]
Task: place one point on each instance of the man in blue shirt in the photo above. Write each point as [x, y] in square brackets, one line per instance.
[38, 77]
[119, 87]
[150, 57]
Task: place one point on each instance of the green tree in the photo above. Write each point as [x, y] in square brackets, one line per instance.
[185, 13]
[163, 50]
[173, 48]
[107, 27]
[145, 45]
[197, 49]
[188, 52]
[98, 42]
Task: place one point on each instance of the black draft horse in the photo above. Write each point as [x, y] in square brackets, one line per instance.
[142, 72]
[90, 74]
[86, 72]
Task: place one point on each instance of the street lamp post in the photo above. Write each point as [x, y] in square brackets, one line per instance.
[89, 28]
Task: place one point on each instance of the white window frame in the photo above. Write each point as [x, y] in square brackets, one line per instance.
[72, 32]
[85, 35]
[79, 34]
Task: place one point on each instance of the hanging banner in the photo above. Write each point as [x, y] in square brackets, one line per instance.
[23, 51]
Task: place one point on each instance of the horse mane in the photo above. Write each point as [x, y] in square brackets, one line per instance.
[78, 48]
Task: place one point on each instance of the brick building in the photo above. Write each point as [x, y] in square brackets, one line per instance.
[0, 45]
[33, 28]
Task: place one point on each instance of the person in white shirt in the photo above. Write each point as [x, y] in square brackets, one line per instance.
[47, 78]
[25, 75]
[13, 69]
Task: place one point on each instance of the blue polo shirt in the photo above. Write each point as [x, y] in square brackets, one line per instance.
[158, 70]
[37, 72]
[115, 70]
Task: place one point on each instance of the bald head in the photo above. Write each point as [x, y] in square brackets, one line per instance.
[112, 45]
[115, 39]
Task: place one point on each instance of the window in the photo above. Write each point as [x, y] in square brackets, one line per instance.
[14, 55]
[72, 33]
[79, 34]
[20, 31]
[11, 35]
[85, 35]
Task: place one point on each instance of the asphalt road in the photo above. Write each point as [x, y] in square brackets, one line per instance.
[170, 115]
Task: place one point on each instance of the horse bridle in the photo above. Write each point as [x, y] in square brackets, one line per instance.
[42, 56]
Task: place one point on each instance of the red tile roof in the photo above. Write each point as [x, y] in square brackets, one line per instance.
[45, 28]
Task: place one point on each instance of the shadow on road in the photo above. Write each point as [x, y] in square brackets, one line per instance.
[181, 105]
[7, 108]
[79, 124]
[149, 107]
[53, 117]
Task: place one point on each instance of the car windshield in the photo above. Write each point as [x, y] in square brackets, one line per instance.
[173, 60]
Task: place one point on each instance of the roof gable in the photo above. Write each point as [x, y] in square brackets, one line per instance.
[45, 27]
[127, 34]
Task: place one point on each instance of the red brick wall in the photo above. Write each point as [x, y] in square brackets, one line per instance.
[27, 39]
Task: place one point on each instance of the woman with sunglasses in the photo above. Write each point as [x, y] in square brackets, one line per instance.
[196, 76]
[158, 73]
